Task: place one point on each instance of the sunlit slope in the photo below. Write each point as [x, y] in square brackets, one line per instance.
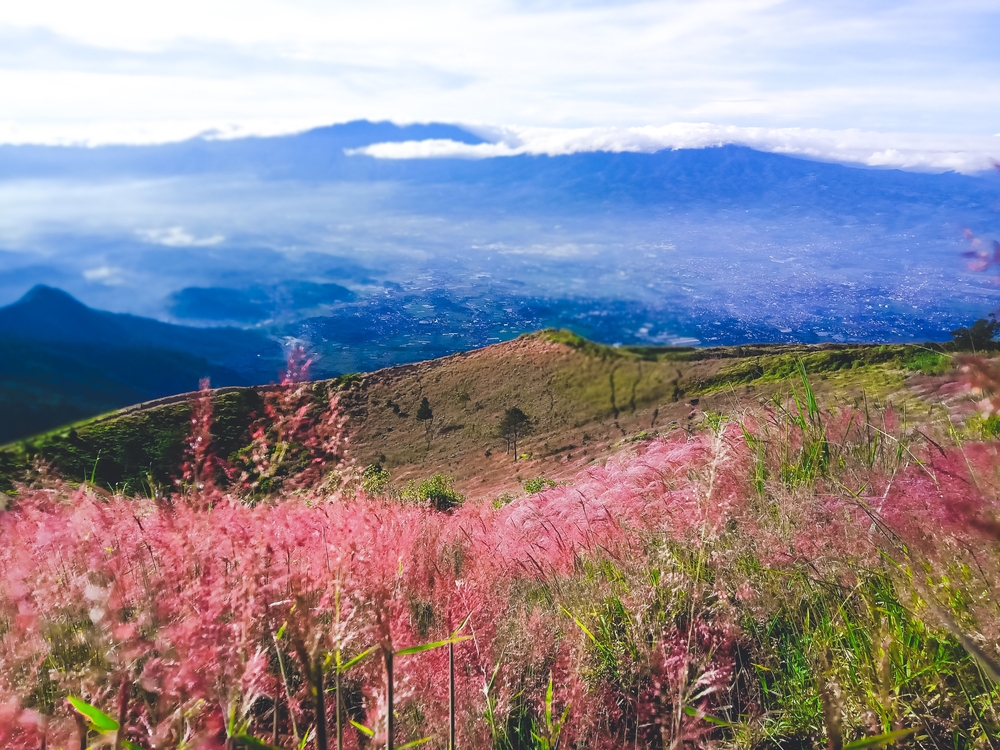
[584, 400]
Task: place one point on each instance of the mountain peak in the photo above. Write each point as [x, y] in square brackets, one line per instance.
[49, 297]
[47, 313]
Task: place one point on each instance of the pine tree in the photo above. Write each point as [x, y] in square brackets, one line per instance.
[515, 424]
[424, 411]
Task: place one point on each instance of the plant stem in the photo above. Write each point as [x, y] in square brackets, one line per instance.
[340, 730]
[288, 693]
[274, 722]
[82, 726]
[391, 719]
[123, 693]
[321, 743]
[337, 662]
[451, 696]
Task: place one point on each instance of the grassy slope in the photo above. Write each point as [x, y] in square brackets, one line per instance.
[35, 394]
[584, 398]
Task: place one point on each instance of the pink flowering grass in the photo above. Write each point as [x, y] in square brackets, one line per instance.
[796, 576]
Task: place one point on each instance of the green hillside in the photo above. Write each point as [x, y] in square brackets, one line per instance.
[583, 399]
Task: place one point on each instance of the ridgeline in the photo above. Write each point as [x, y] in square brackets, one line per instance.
[584, 400]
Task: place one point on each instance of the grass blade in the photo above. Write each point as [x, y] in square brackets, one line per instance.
[548, 704]
[100, 720]
[362, 728]
[429, 646]
[812, 407]
[363, 655]
[413, 743]
[461, 627]
[587, 632]
[707, 717]
[879, 740]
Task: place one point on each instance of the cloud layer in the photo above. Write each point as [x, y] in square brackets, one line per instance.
[966, 154]
[115, 71]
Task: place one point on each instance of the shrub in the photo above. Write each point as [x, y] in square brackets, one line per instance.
[375, 480]
[424, 410]
[504, 498]
[538, 484]
[437, 491]
[927, 362]
[986, 425]
[977, 337]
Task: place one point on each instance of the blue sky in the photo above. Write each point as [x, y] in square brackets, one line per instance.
[923, 76]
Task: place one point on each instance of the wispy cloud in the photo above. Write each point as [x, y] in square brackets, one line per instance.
[178, 237]
[901, 150]
[107, 275]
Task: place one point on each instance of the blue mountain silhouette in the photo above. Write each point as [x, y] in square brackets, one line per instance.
[61, 360]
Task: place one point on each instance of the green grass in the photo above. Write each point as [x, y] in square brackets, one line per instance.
[590, 348]
[438, 491]
[538, 484]
[772, 368]
[133, 452]
[927, 362]
[137, 451]
[985, 428]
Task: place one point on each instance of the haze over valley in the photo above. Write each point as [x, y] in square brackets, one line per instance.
[376, 261]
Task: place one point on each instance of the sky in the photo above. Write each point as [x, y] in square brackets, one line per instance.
[887, 83]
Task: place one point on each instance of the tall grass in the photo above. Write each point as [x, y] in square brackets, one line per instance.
[793, 576]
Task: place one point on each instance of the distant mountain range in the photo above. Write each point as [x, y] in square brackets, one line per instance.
[316, 154]
[377, 262]
[61, 361]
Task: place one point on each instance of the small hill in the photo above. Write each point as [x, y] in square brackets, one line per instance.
[60, 360]
[585, 401]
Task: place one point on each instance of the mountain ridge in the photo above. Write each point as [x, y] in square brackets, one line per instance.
[50, 314]
[61, 361]
[320, 147]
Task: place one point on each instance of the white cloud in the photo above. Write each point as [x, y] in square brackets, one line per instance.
[900, 150]
[107, 275]
[178, 237]
[439, 149]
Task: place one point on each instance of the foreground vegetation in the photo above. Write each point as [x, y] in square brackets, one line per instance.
[790, 576]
